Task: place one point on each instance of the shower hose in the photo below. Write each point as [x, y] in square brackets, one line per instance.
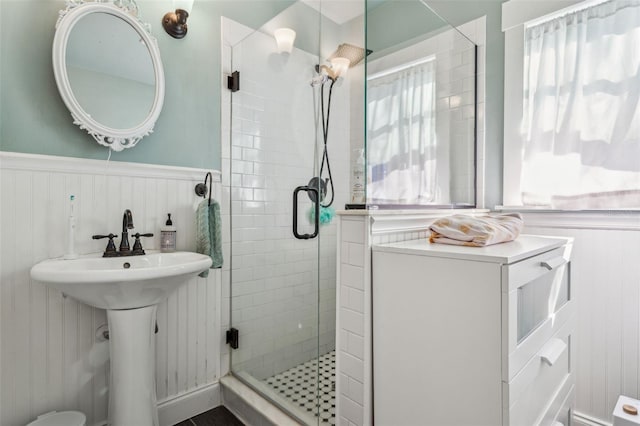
[325, 136]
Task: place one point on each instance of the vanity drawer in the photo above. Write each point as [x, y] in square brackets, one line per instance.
[560, 411]
[536, 302]
[536, 395]
[527, 270]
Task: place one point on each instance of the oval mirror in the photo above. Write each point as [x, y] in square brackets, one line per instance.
[108, 71]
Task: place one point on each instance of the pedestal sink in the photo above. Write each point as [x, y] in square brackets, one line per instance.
[129, 288]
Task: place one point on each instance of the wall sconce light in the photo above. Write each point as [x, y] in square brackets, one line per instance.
[175, 23]
[284, 39]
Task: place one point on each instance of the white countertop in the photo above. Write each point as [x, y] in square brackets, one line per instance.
[523, 247]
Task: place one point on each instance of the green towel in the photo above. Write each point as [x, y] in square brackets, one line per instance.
[208, 233]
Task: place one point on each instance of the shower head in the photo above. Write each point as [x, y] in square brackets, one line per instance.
[353, 53]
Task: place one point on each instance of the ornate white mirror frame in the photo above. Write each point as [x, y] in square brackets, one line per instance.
[126, 10]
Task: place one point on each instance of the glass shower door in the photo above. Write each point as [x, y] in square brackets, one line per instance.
[275, 246]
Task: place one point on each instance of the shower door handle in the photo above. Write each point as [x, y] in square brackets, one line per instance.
[316, 222]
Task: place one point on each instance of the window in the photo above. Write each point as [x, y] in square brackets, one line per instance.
[401, 132]
[581, 109]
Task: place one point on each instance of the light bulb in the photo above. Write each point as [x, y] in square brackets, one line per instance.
[284, 39]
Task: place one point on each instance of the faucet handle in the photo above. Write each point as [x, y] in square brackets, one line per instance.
[99, 237]
[137, 245]
[137, 235]
[110, 251]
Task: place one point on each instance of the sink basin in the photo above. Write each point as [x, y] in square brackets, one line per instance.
[121, 282]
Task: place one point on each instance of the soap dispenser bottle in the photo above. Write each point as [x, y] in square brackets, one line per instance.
[168, 236]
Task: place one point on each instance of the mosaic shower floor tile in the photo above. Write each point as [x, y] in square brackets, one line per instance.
[300, 386]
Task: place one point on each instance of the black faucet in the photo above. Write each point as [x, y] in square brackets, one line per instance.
[125, 250]
[127, 223]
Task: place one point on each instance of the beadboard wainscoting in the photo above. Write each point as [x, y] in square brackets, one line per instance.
[51, 356]
[606, 286]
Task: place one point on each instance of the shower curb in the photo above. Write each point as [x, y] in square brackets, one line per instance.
[249, 406]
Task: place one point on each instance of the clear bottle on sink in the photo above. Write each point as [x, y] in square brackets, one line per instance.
[168, 236]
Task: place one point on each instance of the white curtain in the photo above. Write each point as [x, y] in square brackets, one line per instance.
[401, 136]
[581, 119]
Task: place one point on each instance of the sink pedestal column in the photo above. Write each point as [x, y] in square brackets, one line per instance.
[132, 388]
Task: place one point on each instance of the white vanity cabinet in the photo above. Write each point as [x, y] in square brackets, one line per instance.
[472, 336]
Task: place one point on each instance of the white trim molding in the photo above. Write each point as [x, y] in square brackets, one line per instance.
[385, 223]
[583, 420]
[174, 410]
[562, 219]
[51, 163]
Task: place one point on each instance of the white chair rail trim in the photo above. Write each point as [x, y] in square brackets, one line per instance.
[51, 163]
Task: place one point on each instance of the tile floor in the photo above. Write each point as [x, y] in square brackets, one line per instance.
[219, 416]
[299, 385]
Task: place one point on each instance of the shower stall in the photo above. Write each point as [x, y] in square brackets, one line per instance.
[290, 124]
[288, 144]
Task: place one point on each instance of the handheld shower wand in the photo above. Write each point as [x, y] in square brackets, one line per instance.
[325, 137]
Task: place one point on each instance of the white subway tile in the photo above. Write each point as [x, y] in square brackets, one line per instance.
[353, 231]
[253, 181]
[250, 154]
[351, 410]
[356, 391]
[241, 140]
[356, 254]
[356, 300]
[244, 167]
[352, 321]
[355, 345]
[352, 367]
[344, 252]
[352, 276]
[344, 297]
[251, 207]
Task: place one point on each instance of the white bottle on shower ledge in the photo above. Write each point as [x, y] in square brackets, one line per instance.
[357, 177]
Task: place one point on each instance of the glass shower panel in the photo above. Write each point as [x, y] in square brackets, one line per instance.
[275, 294]
[420, 108]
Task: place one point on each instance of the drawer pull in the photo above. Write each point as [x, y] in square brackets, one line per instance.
[552, 351]
[553, 263]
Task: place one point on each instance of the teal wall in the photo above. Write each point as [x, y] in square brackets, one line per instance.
[396, 24]
[33, 118]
